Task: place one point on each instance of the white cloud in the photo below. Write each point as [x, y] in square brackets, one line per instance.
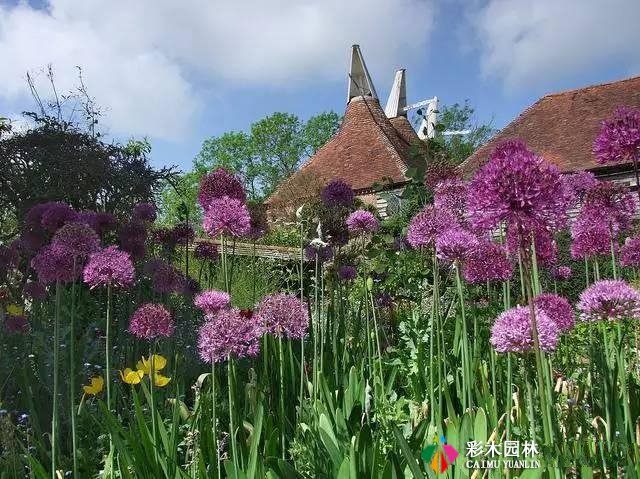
[525, 43]
[150, 61]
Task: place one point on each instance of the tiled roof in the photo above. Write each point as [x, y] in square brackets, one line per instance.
[367, 149]
[561, 127]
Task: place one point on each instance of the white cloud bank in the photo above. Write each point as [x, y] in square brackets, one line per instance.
[524, 42]
[149, 61]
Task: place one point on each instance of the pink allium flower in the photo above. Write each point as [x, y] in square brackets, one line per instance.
[454, 244]
[77, 239]
[55, 215]
[546, 245]
[362, 222]
[347, 272]
[100, 222]
[610, 203]
[630, 252]
[109, 266]
[320, 253]
[282, 314]
[165, 277]
[512, 331]
[15, 324]
[35, 291]
[183, 233]
[426, 225]
[562, 272]
[227, 216]
[33, 217]
[487, 261]
[337, 193]
[206, 250]
[151, 321]
[558, 309]
[581, 182]
[259, 224]
[219, 184]
[518, 187]
[227, 334]
[31, 239]
[210, 302]
[590, 235]
[611, 300]
[144, 212]
[54, 264]
[190, 287]
[133, 239]
[451, 195]
[619, 137]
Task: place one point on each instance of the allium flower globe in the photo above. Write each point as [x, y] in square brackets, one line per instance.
[183, 233]
[144, 213]
[487, 261]
[581, 182]
[55, 215]
[347, 272]
[511, 331]
[320, 253]
[133, 239]
[451, 195]
[337, 193]
[610, 203]
[562, 272]
[545, 244]
[35, 290]
[15, 324]
[619, 137]
[53, 264]
[165, 277]
[558, 309]
[630, 252]
[282, 314]
[590, 235]
[206, 250]
[151, 321]
[217, 185]
[609, 300]
[259, 223]
[77, 239]
[228, 334]
[227, 216]
[427, 224]
[109, 267]
[454, 244]
[518, 187]
[210, 302]
[362, 222]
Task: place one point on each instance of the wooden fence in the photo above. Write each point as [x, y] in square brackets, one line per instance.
[283, 253]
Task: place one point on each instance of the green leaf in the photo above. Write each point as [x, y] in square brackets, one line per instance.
[329, 441]
[408, 454]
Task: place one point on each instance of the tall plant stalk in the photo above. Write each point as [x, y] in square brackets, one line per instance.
[214, 417]
[56, 379]
[72, 376]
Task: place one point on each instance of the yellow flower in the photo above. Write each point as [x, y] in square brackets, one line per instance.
[160, 381]
[159, 363]
[15, 310]
[130, 376]
[96, 386]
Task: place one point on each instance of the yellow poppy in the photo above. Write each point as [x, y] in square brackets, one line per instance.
[160, 381]
[96, 386]
[15, 310]
[130, 376]
[159, 363]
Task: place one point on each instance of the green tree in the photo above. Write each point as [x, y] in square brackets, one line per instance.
[319, 129]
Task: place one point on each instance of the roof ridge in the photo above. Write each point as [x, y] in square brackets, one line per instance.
[596, 85]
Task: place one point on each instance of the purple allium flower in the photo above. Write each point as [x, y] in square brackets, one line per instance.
[227, 216]
[337, 193]
[54, 264]
[487, 261]
[383, 300]
[619, 137]
[191, 287]
[219, 184]
[611, 203]
[164, 236]
[590, 235]
[183, 233]
[546, 245]
[609, 300]
[31, 240]
[34, 290]
[426, 225]
[558, 309]
[210, 302]
[77, 239]
[630, 252]
[16, 324]
[100, 222]
[56, 215]
[165, 277]
[320, 253]
[151, 321]
[451, 196]
[133, 238]
[144, 212]
[454, 244]
[33, 217]
[228, 334]
[518, 187]
[562, 272]
[362, 222]
[259, 224]
[347, 272]
[206, 250]
[581, 182]
[511, 331]
[282, 314]
[109, 266]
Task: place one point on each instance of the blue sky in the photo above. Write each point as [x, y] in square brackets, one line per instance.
[179, 72]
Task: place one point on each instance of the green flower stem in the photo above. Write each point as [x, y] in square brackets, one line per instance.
[432, 396]
[152, 374]
[282, 414]
[509, 394]
[302, 369]
[56, 379]
[467, 382]
[72, 377]
[214, 417]
[107, 352]
[614, 269]
[232, 428]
